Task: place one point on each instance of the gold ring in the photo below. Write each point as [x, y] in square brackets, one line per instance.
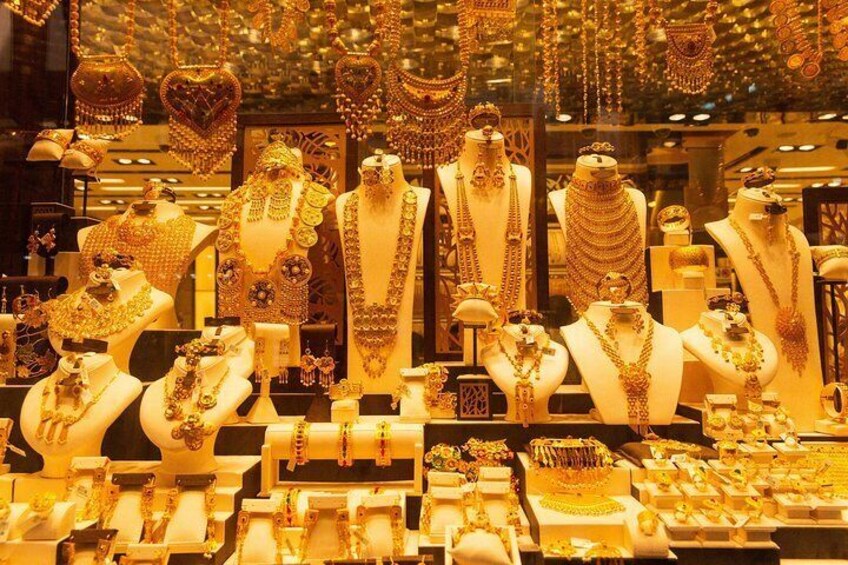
[42, 504]
[615, 287]
[674, 218]
[833, 399]
[682, 511]
[648, 522]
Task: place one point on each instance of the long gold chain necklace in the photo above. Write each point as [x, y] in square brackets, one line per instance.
[689, 64]
[190, 426]
[633, 377]
[426, 121]
[603, 235]
[466, 242]
[284, 36]
[747, 362]
[375, 325]
[279, 291]
[603, 19]
[801, 54]
[550, 56]
[358, 76]
[202, 103]
[108, 89]
[524, 390]
[53, 419]
[79, 315]
[789, 322]
[163, 249]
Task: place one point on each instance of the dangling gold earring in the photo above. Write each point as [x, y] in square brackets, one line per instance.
[307, 368]
[327, 367]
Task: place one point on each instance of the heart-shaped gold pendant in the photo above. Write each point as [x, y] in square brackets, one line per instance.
[358, 92]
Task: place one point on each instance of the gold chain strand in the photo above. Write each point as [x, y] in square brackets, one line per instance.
[162, 249]
[581, 504]
[33, 12]
[689, 64]
[790, 323]
[54, 419]
[550, 56]
[469, 260]
[633, 377]
[603, 235]
[108, 89]
[375, 325]
[80, 316]
[746, 362]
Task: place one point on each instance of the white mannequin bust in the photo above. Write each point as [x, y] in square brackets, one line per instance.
[699, 345]
[601, 377]
[239, 346]
[85, 437]
[489, 210]
[552, 369]
[121, 344]
[798, 393]
[379, 222]
[176, 457]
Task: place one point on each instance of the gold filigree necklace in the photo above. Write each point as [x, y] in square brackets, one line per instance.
[746, 362]
[689, 59]
[81, 316]
[789, 322]
[190, 427]
[202, 103]
[524, 390]
[375, 325]
[108, 89]
[53, 419]
[466, 243]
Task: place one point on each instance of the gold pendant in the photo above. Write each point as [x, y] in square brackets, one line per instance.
[490, 20]
[358, 92]
[792, 329]
[689, 66]
[202, 104]
[285, 35]
[109, 92]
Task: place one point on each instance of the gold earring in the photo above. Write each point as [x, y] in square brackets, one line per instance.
[307, 368]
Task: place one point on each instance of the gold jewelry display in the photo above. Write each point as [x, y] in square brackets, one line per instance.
[345, 445]
[375, 325]
[561, 548]
[277, 292]
[662, 448]
[746, 362]
[104, 547]
[55, 417]
[284, 36]
[358, 75]
[550, 56]
[434, 383]
[674, 218]
[33, 12]
[754, 508]
[190, 426]
[689, 58]
[571, 464]
[790, 323]
[604, 553]
[346, 390]
[79, 315]
[581, 504]
[108, 89]
[162, 249]
[148, 494]
[834, 401]
[648, 522]
[489, 20]
[41, 505]
[466, 244]
[481, 522]
[682, 511]
[633, 376]
[210, 543]
[383, 447]
[299, 452]
[426, 116]
[801, 53]
[444, 457]
[605, 79]
[688, 259]
[202, 102]
[524, 390]
[602, 230]
[95, 494]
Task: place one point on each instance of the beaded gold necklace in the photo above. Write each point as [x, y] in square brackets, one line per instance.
[81, 316]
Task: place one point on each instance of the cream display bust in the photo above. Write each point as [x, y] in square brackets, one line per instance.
[121, 344]
[379, 223]
[176, 457]
[552, 368]
[798, 393]
[489, 209]
[239, 346]
[592, 168]
[601, 377]
[699, 345]
[84, 437]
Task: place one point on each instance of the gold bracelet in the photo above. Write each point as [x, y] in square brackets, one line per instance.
[383, 457]
[300, 443]
[345, 457]
[210, 544]
[673, 218]
[834, 401]
[648, 522]
[148, 494]
[288, 506]
[822, 256]
[242, 525]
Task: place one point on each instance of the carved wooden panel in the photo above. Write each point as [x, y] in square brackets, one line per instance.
[324, 155]
[833, 230]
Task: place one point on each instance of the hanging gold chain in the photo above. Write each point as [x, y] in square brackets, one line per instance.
[75, 27]
[223, 38]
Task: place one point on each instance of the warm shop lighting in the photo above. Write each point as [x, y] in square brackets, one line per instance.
[827, 116]
[564, 118]
[819, 169]
[806, 147]
[677, 117]
[786, 148]
[701, 117]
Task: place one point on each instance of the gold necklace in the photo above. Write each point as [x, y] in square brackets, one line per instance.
[789, 323]
[33, 12]
[550, 56]
[202, 103]
[375, 325]
[603, 236]
[284, 36]
[747, 362]
[633, 377]
[52, 419]
[358, 76]
[689, 65]
[80, 316]
[603, 19]
[581, 504]
[163, 249]
[524, 391]
[801, 54]
[279, 291]
[108, 89]
[466, 243]
[190, 426]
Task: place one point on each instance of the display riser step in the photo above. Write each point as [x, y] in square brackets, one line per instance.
[727, 556]
[812, 542]
[626, 560]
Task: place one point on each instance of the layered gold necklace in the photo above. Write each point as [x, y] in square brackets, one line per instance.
[81, 316]
[52, 416]
[279, 291]
[202, 103]
[108, 89]
[466, 243]
[359, 76]
[603, 236]
[426, 120]
[163, 249]
[789, 323]
[633, 377]
[689, 59]
[190, 426]
[746, 362]
[375, 325]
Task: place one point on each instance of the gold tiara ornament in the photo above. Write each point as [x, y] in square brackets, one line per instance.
[279, 157]
[764, 176]
[599, 148]
[485, 114]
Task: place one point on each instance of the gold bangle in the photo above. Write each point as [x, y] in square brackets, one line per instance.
[822, 256]
[834, 401]
[648, 522]
[345, 452]
[682, 512]
[688, 259]
[383, 456]
[673, 218]
[56, 136]
[300, 443]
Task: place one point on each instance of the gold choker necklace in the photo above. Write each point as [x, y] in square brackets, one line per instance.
[746, 362]
[81, 316]
[53, 419]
